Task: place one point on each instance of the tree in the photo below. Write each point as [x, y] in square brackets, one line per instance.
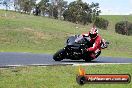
[28, 5]
[6, 3]
[56, 8]
[17, 5]
[79, 12]
[24, 5]
[55, 12]
[50, 10]
[61, 6]
[95, 12]
[67, 15]
[43, 4]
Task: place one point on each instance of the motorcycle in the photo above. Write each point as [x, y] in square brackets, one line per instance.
[75, 49]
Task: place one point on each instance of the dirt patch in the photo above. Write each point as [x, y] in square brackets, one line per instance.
[36, 34]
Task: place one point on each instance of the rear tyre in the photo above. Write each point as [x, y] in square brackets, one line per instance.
[60, 55]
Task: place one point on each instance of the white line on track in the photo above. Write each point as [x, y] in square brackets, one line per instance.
[87, 64]
[72, 64]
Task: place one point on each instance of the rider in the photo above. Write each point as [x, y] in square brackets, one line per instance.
[95, 39]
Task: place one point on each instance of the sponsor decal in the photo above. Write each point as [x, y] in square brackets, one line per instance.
[83, 78]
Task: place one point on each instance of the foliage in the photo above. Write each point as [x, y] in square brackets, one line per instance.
[77, 11]
[80, 12]
[43, 5]
[101, 23]
[123, 27]
[24, 5]
[55, 12]
[6, 3]
[53, 8]
[61, 6]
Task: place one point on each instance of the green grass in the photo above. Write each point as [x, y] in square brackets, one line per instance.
[27, 33]
[58, 76]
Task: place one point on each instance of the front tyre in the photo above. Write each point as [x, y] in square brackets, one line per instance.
[59, 55]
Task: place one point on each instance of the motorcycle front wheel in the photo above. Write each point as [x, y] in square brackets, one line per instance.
[59, 55]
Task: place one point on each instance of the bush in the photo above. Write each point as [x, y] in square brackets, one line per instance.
[101, 23]
[124, 28]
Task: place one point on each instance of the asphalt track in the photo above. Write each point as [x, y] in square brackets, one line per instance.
[18, 59]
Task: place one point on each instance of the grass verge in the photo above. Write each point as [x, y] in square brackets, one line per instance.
[58, 76]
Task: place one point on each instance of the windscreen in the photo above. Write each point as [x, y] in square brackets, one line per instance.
[79, 39]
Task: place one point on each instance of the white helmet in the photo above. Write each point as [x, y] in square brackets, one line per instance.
[93, 33]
